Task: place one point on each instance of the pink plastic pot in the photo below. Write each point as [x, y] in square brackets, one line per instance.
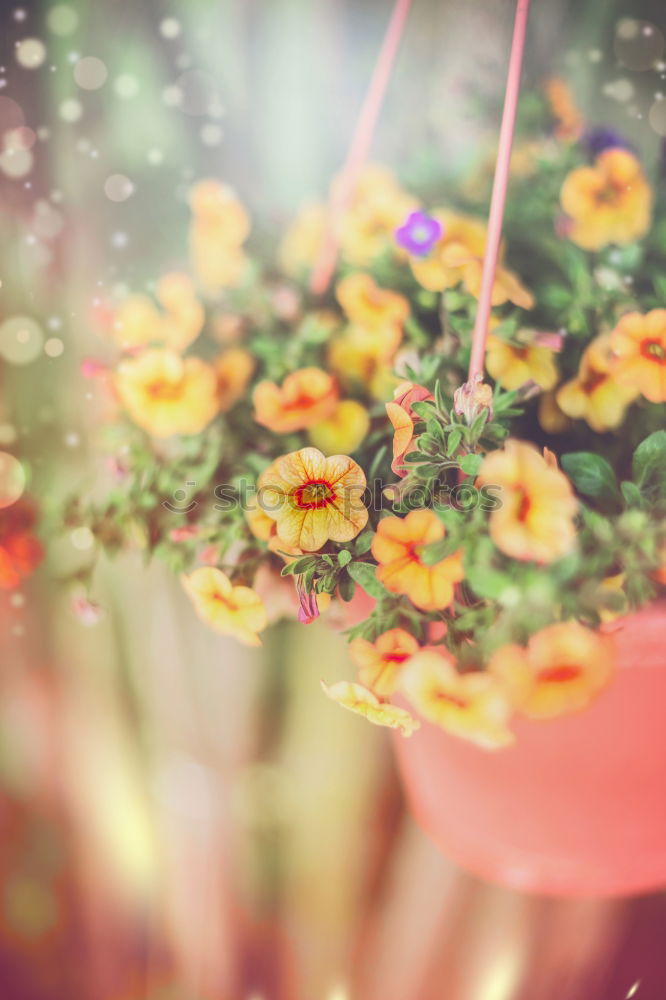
[577, 807]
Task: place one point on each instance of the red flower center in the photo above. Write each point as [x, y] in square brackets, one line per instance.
[559, 674]
[314, 495]
[654, 350]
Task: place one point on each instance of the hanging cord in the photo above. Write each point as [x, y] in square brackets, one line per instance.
[498, 197]
[360, 146]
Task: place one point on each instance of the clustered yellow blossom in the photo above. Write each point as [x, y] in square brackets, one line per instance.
[138, 322]
[219, 227]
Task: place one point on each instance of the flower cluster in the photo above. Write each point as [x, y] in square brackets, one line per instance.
[333, 450]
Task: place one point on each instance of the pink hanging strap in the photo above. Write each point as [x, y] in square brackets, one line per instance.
[498, 197]
[360, 146]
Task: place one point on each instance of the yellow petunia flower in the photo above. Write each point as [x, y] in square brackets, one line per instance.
[380, 662]
[563, 667]
[313, 498]
[536, 518]
[166, 394]
[398, 545]
[343, 431]
[359, 699]
[219, 227]
[138, 322]
[594, 395]
[609, 202]
[361, 356]
[367, 305]
[234, 369]
[235, 611]
[515, 364]
[470, 705]
[638, 345]
[305, 397]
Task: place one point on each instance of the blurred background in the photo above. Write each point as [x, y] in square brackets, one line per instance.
[182, 818]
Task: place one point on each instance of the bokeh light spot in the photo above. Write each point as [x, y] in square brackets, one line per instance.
[30, 53]
[170, 28]
[12, 479]
[62, 20]
[118, 187]
[90, 73]
[657, 116]
[54, 347]
[21, 340]
[82, 538]
[638, 44]
[126, 86]
[71, 109]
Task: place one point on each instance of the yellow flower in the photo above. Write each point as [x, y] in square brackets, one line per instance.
[305, 397]
[594, 394]
[563, 667]
[236, 611]
[166, 394]
[219, 227]
[368, 305]
[638, 344]
[514, 364]
[260, 524]
[302, 242]
[138, 322]
[398, 546]
[234, 369]
[536, 518]
[358, 699]
[551, 417]
[363, 356]
[470, 705]
[458, 257]
[380, 662]
[313, 499]
[610, 202]
[343, 431]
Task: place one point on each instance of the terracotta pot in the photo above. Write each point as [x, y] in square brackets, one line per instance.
[577, 807]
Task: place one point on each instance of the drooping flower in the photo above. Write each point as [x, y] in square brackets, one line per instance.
[234, 369]
[403, 418]
[469, 705]
[594, 395]
[359, 699]
[305, 397]
[609, 202]
[398, 548]
[367, 305]
[313, 499]
[380, 662]
[138, 322]
[235, 611]
[21, 552]
[638, 346]
[515, 364]
[471, 398]
[166, 394]
[419, 233]
[219, 228]
[343, 431]
[562, 668]
[535, 519]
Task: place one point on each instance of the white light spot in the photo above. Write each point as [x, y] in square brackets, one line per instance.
[21, 340]
[126, 86]
[30, 53]
[54, 347]
[118, 187]
[170, 28]
[90, 73]
[82, 538]
[62, 20]
[71, 110]
[12, 479]
[211, 135]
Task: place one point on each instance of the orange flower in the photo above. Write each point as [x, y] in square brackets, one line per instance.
[219, 227]
[138, 322]
[458, 257]
[368, 305]
[304, 398]
[359, 699]
[20, 551]
[536, 518]
[397, 547]
[570, 122]
[515, 364]
[234, 369]
[638, 344]
[166, 394]
[610, 202]
[313, 499]
[563, 667]
[403, 418]
[380, 662]
[236, 611]
[471, 705]
[343, 431]
[594, 394]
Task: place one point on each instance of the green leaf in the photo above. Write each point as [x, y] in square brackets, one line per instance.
[344, 557]
[631, 494]
[470, 464]
[423, 408]
[591, 474]
[650, 458]
[364, 541]
[364, 575]
[347, 587]
[298, 566]
[455, 437]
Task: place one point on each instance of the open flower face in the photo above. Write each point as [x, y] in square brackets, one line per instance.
[166, 394]
[563, 667]
[305, 397]
[471, 705]
[610, 202]
[398, 548]
[234, 369]
[403, 418]
[368, 305]
[594, 395]
[380, 662]
[359, 699]
[536, 518]
[314, 499]
[218, 229]
[235, 611]
[514, 364]
[638, 344]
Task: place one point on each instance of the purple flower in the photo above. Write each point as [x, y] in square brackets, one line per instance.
[596, 140]
[418, 234]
